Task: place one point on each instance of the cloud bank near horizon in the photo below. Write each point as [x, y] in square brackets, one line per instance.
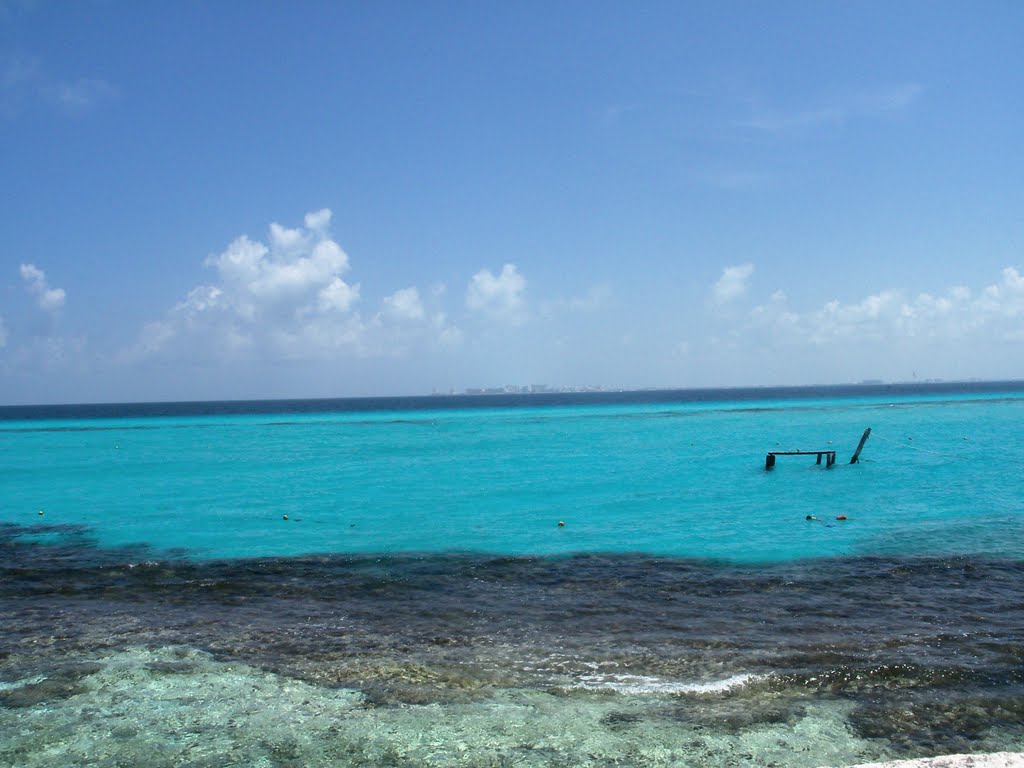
[994, 312]
[290, 297]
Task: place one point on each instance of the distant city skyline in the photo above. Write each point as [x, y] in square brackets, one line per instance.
[398, 198]
[534, 389]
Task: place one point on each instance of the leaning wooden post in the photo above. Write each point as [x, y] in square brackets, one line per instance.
[860, 446]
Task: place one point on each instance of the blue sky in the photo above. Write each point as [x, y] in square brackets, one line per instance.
[256, 199]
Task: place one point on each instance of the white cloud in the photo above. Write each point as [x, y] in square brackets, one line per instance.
[1007, 297]
[319, 337]
[266, 298]
[888, 316]
[201, 299]
[997, 311]
[596, 297]
[24, 80]
[80, 95]
[240, 263]
[499, 296]
[287, 299]
[32, 274]
[49, 299]
[287, 241]
[837, 109]
[732, 284]
[318, 221]
[404, 304]
[448, 336]
[885, 99]
[296, 263]
[874, 317]
[153, 337]
[773, 121]
[37, 350]
[338, 296]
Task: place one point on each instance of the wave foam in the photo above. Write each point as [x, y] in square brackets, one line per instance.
[984, 760]
[639, 684]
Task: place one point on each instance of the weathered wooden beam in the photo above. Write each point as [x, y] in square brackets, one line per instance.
[860, 445]
[799, 453]
[830, 457]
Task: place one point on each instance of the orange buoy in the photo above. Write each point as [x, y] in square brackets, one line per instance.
[840, 517]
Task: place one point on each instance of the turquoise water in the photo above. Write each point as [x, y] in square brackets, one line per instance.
[386, 583]
[938, 475]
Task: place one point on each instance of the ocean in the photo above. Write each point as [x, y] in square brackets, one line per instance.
[593, 579]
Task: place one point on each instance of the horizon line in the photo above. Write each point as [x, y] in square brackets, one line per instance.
[493, 393]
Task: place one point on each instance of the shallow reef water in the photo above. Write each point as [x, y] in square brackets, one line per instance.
[491, 661]
[177, 706]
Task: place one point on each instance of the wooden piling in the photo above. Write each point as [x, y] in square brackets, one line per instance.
[860, 445]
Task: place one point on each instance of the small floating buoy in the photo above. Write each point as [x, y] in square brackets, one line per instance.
[561, 524]
[40, 511]
[286, 517]
[840, 517]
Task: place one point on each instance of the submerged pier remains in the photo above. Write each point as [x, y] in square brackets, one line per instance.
[830, 455]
